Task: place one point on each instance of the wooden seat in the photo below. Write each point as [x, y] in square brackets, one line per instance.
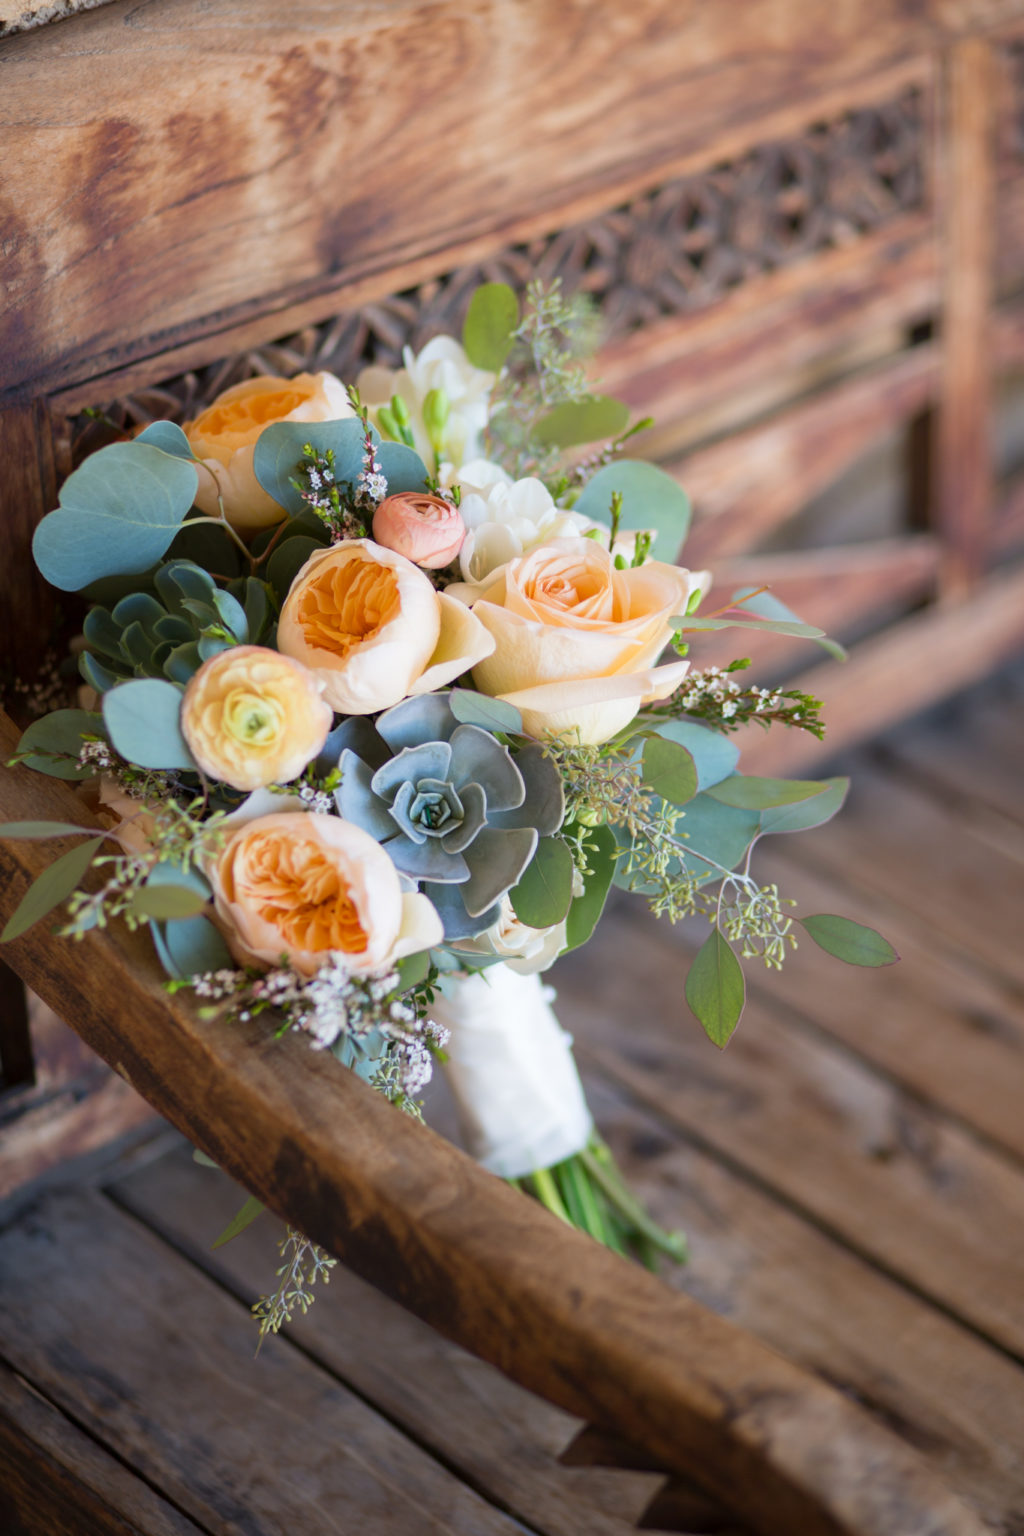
[185, 185]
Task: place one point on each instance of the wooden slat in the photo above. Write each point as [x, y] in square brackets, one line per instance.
[179, 142]
[58, 1482]
[915, 663]
[165, 1372]
[836, 1139]
[472, 1256]
[972, 755]
[744, 487]
[963, 471]
[29, 491]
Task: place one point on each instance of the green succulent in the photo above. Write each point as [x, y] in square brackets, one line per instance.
[170, 631]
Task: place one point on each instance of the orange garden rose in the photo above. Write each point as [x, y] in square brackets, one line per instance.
[576, 640]
[428, 530]
[371, 626]
[308, 886]
[252, 717]
[224, 438]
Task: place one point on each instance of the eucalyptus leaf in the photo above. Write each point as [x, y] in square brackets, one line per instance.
[544, 892]
[245, 1218]
[585, 912]
[37, 831]
[669, 770]
[581, 421]
[849, 941]
[768, 606]
[492, 316]
[168, 436]
[118, 513]
[413, 969]
[721, 832]
[803, 814]
[287, 561]
[142, 720]
[771, 626]
[755, 794]
[715, 989]
[53, 886]
[279, 452]
[402, 468]
[165, 901]
[651, 500]
[61, 733]
[715, 755]
[471, 708]
[190, 946]
[208, 545]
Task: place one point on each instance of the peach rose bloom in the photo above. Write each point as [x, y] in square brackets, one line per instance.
[252, 717]
[428, 530]
[371, 626]
[309, 886]
[224, 438]
[576, 640]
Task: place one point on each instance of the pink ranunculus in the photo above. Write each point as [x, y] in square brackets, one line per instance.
[428, 530]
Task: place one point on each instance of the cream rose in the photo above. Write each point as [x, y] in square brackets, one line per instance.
[523, 949]
[309, 886]
[576, 640]
[224, 438]
[370, 624]
[252, 717]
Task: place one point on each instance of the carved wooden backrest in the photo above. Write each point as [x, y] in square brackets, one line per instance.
[797, 220]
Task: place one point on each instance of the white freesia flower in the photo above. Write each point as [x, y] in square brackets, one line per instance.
[524, 950]
[441, 365]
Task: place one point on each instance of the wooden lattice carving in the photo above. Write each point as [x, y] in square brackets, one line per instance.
[678, 248]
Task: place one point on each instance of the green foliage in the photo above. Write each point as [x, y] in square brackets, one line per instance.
[281, 447]
[601, 853]
[287, 561]
[544, 892]
[849, 941]
[37, 831]
[593, 418]
[651, 500]
[713, 697]
[490, 325]
[169, 437]
[245, 1218]
[494, 715]
[142, 721]
[52, 745]
[669, 770]
[165, 901]
[802, 815]
[715, 989]
[714, 757]
[190, 946]
[768, 606]
[118, 513]
[755, 794]
[49, 889]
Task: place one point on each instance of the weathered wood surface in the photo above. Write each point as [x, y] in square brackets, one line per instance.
[469, 1255]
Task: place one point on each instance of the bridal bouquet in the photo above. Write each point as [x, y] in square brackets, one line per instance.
[385, 686]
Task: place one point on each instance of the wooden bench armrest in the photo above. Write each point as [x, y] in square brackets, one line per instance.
[466, 1252]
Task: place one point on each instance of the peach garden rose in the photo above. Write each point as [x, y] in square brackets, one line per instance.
[310, 886]
[371, 626]
[224, 438]
[252, 717]
[576, 640]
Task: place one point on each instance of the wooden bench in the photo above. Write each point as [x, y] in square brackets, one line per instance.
[799, 221]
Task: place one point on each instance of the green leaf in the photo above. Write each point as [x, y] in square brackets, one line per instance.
[478, 709]
[771, 626]
[544, 892]
[209, 545]
[142, 719]
[804, 814]
[255, 598]
[754, 794]
[169, 437]
[849, 941]
[715, 989]
[651, 500]
[204, 1162]
[492, 316]
[287, 561]
[669, 770]
[767, 606]
[118, 513]
[61, 733]
[581, 421]
[232, 615]
[585, 912]
[38, 830]
[246, 1216]
[722, 832]
[163, 900]
[53, 886]
[190, 946]
[402, 468]
[279, 452]
[715, 755]
[413, 969]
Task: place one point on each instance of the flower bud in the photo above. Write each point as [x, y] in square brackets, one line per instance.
[428, 530]
[436, 410]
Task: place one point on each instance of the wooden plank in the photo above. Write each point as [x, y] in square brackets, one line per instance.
[838, 588]
[59, 1482]
[963, 447]
[28, 489]
[165, 1373]
[497, 1436]
[757, 1263]
[889, 1176]
[911, 666]
[50, 1128]
[190, 151]
[744, 487]
[470, 1255]
[971, 754]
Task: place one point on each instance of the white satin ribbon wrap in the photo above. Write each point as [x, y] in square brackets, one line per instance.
[512, 1073]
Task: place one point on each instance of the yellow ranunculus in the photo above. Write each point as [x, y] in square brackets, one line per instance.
[370, 624]
[252, 717]
[224, 438]
[576, 640]
[308, 886]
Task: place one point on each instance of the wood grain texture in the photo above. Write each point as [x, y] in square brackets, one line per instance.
[195, 161]
[28, 485]
[473, 1257]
